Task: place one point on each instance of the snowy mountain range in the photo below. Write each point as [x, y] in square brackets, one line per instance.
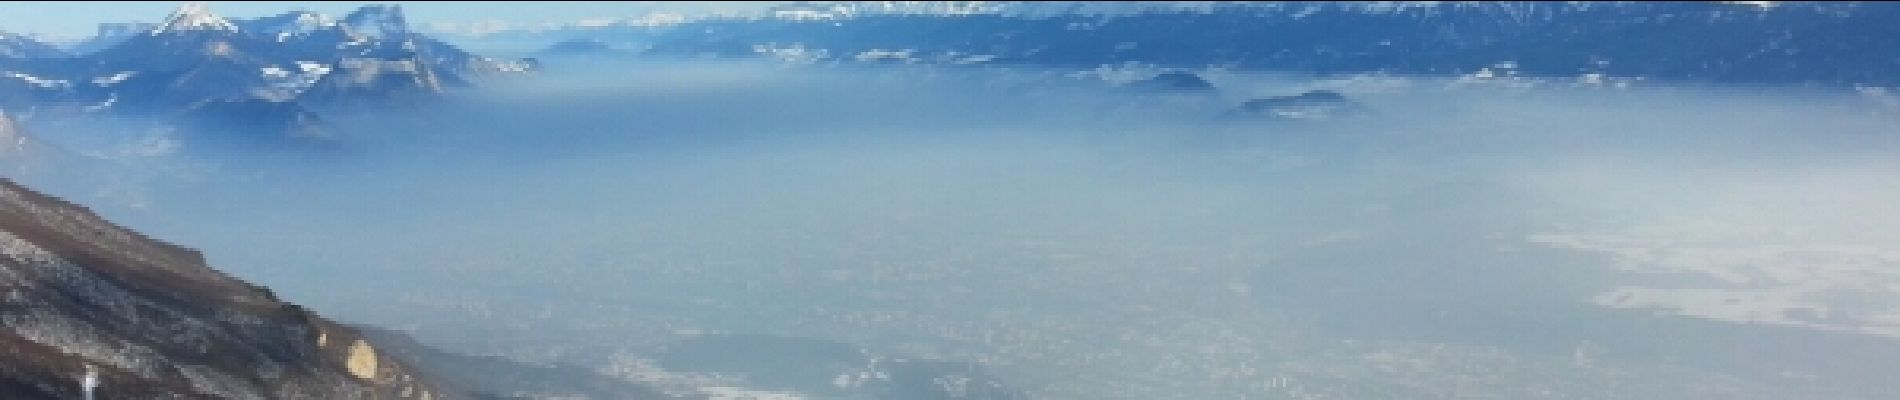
[1828, 44]
[197, 62]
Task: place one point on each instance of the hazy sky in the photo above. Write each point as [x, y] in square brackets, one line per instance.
[67, 19]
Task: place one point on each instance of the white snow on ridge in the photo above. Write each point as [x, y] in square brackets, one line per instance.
[313, 67]
[795, 53]
[975, 59]
[113, 79]
[307, 22]
[881, 54]
[287, 83]
[37, 81]
[194, 16]
[103, 105]
[508, 66]
[1757, 4]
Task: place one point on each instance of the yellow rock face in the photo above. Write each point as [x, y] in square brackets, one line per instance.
[362, 360]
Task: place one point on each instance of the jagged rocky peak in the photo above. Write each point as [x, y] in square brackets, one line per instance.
[377, 21]
[194, 16]
[80, 296]
[199, 58]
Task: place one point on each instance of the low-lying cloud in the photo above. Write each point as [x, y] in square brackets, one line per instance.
[1084, 241]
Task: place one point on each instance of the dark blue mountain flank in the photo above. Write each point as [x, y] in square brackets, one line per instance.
[1313, 105]
[1832, 44]
[1173, 81]
[580, 47]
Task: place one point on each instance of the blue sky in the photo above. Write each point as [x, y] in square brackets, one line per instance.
[66, 20]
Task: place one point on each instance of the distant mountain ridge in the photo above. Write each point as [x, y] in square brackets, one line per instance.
[196, 57]
[17, 47]
[1800, 43]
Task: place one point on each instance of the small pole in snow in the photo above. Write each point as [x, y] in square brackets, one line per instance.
[90, 382]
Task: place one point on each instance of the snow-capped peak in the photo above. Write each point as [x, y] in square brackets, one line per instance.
[293, 23]
[377, 21]
[308, 21]
[194, 16]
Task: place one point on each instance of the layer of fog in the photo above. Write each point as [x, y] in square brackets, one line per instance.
[1466, 241]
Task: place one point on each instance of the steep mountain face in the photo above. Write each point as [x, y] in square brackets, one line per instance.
[14, 147]
[13, 143]
[302, 59]
[26, 157]
[241, 121]
[153, 321]
[378, 21]
[1836, 43]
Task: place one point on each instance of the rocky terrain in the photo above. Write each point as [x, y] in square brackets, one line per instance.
[79, 294]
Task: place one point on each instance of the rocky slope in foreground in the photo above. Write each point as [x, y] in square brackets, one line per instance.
[77, 291]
